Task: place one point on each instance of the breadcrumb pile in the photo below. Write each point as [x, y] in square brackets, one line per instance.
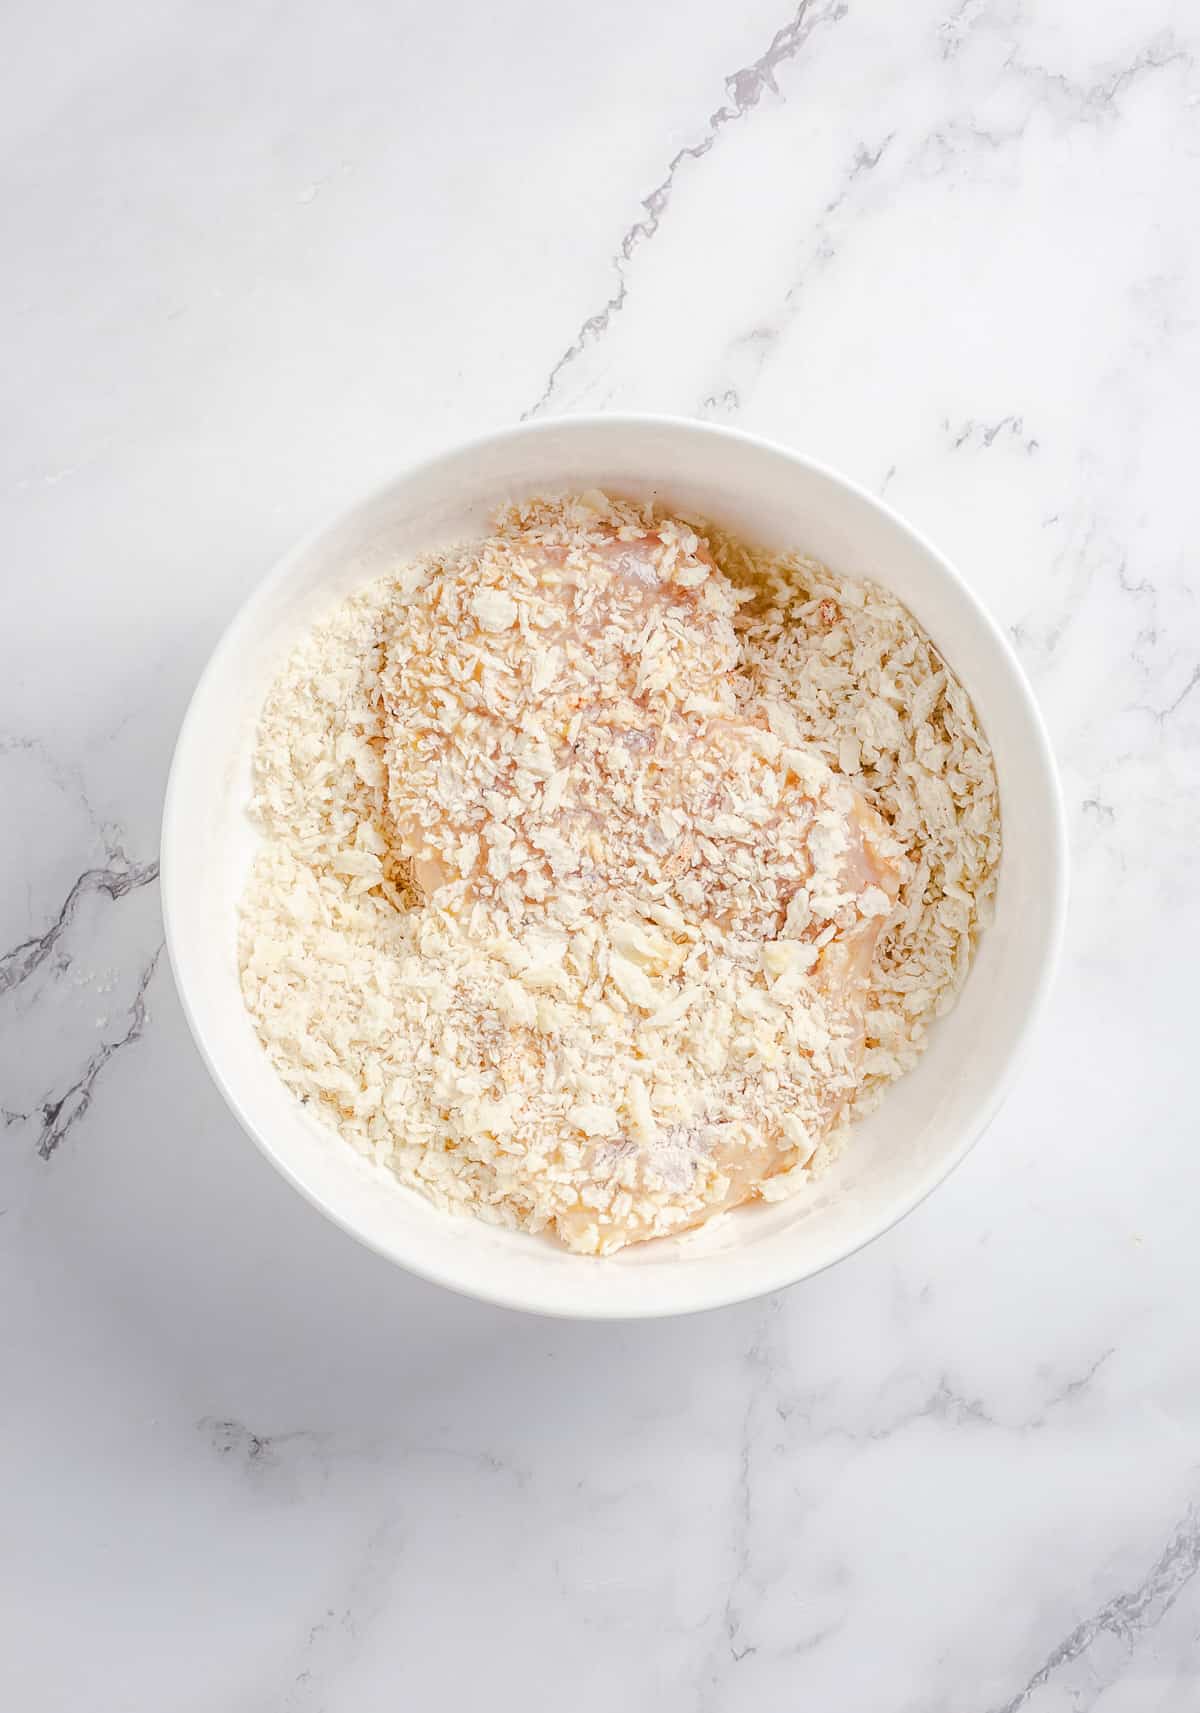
[609, 867]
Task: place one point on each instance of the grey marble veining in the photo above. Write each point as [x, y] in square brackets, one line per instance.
[256, 261]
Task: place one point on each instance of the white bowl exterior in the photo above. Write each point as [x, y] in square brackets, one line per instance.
[927, 1121]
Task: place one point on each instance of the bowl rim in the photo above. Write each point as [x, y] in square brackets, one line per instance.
[710, 1293]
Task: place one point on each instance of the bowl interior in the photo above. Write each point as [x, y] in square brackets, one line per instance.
[927, 1121]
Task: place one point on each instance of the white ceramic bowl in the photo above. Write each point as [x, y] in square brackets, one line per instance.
[927, 1122]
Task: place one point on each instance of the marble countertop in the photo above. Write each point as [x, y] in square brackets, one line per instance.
[259, 257]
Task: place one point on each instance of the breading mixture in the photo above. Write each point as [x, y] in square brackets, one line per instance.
[609, 866]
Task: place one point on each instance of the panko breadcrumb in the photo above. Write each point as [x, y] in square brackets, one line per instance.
[609, 867]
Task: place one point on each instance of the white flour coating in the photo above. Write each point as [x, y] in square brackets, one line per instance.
[578, 845]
